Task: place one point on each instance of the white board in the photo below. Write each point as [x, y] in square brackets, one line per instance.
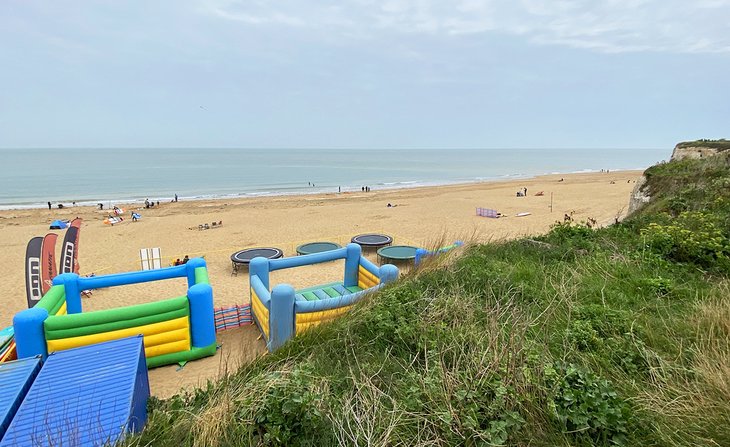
[156, 258]
[144, 257]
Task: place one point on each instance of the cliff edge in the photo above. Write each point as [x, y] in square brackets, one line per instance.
[697, 149]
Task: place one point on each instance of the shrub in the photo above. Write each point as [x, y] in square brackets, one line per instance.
[575, 235]
[694, 237]
[290, 413]
[586, 405]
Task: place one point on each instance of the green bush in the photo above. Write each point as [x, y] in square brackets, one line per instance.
[693, 237]
[574, 235]
[586, 405]
[291, 411]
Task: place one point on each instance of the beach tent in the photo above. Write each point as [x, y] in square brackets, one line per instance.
[58, 225]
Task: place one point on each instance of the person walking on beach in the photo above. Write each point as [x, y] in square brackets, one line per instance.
[175, 197]
[49, 205]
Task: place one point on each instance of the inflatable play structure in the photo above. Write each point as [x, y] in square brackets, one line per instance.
[91, 395]
[282, 312]
[175, 330]
[423, 253]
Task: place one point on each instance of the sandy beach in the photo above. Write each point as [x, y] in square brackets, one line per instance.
[421, 216]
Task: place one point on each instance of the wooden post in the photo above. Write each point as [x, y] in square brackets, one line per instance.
[551, 202]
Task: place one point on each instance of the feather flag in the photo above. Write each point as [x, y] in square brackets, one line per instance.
[48, 261]
[33, 286]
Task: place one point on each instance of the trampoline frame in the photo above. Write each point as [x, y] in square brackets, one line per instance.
[239, 264]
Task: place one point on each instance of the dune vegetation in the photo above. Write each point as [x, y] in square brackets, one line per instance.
[610, 336]
[721, 144]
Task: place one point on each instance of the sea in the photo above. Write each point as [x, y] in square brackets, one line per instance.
[29, 178]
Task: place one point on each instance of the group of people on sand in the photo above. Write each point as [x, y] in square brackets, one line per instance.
[179, 262]
[522, 192]
[147, 204]
[365, 189]
[60, 205]
[151, 203]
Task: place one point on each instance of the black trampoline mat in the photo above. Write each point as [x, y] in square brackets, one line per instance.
[245, 256]
[372, 240]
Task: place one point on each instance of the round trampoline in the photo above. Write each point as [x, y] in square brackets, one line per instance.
[397, 253]
[243, 257]
[372, 240]
[316, 247]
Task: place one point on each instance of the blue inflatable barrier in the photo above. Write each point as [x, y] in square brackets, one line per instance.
[282, 312]
[422, 252]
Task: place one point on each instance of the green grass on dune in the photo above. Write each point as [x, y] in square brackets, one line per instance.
[616, 336]
[720, 144]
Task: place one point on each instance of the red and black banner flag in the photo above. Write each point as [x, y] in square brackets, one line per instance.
[33, 283]
[76, 223]
[48, 261]
[70, 249]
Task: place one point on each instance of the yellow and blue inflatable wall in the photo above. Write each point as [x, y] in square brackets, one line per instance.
[283, 312]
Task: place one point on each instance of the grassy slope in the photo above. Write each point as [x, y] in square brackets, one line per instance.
[583, 337]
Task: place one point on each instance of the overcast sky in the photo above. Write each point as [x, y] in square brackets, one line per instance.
[361, 73]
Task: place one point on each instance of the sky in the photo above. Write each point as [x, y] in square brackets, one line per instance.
[363, 74]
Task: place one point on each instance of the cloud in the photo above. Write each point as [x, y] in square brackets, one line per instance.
[679, 26]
